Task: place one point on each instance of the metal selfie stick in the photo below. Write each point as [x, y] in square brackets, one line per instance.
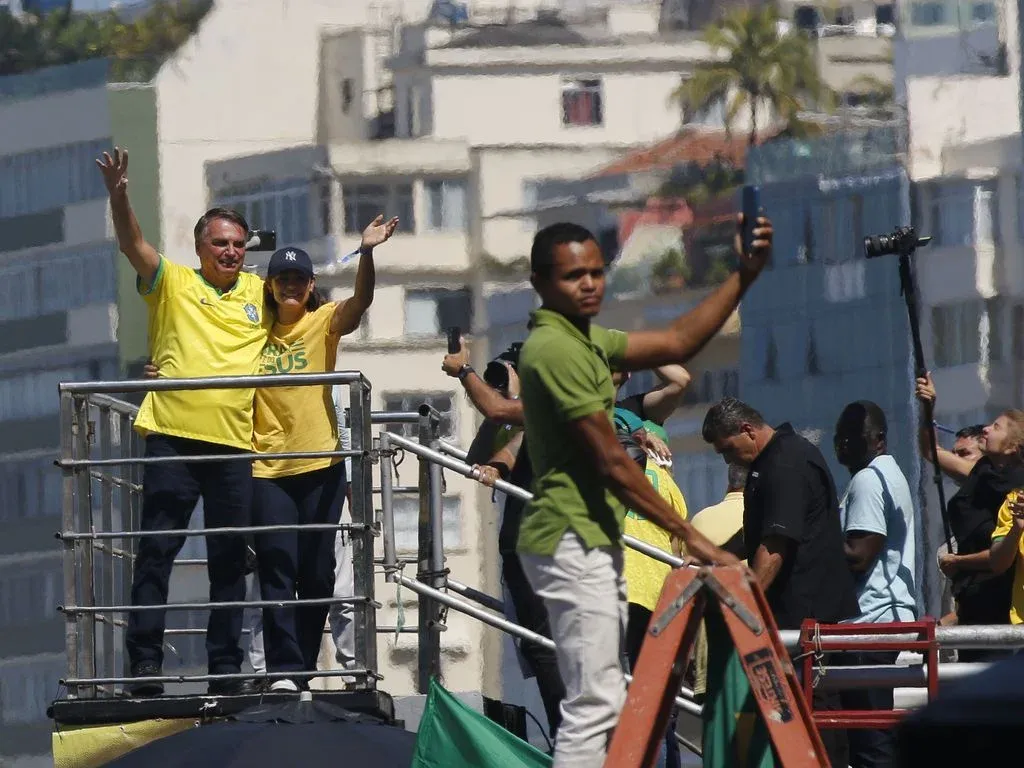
[904, 242]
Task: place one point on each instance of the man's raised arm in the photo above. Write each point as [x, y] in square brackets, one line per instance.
[685, 337]
[141, 255]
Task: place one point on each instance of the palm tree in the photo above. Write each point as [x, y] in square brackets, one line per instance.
[756, 67]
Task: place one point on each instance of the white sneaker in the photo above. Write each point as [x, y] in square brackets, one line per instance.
[284, 685]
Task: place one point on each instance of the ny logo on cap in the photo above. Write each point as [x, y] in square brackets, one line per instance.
[290, 256]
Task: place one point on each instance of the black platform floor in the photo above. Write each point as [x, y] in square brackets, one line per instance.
[112, 710]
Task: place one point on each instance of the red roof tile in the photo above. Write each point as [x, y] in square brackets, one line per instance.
[690, 145]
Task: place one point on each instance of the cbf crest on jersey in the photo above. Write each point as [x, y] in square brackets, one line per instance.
[252, 313]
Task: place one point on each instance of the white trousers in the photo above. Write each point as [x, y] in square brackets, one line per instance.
[584, 592]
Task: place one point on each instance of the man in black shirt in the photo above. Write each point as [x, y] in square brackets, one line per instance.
[793, 538]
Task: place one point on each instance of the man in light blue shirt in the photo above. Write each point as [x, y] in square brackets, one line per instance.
[877, 516]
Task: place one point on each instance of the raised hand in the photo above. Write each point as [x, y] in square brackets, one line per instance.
[379, 231]
[760, 246]
[114, 170]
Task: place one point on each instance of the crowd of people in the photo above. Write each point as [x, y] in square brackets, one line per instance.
[598, 464]
[817, 553]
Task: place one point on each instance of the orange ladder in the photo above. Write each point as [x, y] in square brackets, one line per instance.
[666, 651]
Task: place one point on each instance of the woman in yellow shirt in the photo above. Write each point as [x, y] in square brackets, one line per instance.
[303, 339]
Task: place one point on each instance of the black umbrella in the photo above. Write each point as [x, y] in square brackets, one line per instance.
[299, 733]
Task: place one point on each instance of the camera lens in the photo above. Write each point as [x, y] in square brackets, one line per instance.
[878, 245]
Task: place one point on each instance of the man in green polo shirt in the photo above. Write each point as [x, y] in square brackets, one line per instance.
[570, 542]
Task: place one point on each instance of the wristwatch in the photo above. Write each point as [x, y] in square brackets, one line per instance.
[464, 371]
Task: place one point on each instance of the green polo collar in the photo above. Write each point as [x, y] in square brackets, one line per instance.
[541, 317]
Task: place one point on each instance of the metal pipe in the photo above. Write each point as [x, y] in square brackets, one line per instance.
[73, 536]
[91, 609]
[68, 518]
[120, 462]
[106, 569]
[476, 595]
[362, 515]
[886, 676]
[454, 450]
[394, 417]
[500, 622]
[386, 505]
[209, 382]
[436, 457]
[968, 636]
[428, 664]
[400, 489]
[75, 682]
[118, 406]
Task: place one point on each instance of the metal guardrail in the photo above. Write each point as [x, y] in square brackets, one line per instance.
[93, 421]
[100, 458]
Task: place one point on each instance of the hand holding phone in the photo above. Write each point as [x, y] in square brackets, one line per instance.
[454, 340]
[751, 207]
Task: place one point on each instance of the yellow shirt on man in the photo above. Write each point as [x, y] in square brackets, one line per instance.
[196, 330]
[300, 419]
[646, 576]
[1004, 524]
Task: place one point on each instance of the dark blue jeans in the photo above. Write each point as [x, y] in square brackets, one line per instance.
[170, 492]
[296, 563]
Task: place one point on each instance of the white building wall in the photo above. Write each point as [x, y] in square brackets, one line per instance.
[517, 108]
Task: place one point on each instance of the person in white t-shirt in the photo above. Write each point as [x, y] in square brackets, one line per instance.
[877, 515]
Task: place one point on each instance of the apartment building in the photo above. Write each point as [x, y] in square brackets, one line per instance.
[61, 312]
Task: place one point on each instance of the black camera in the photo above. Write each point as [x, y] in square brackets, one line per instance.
[902, 241]
[496, 372]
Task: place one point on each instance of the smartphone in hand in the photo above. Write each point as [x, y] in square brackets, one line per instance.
[751, 207]
[454, 339]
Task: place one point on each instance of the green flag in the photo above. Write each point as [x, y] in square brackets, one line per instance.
[451, 735]
[735, 736]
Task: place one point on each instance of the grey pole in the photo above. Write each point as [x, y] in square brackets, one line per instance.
[67, 423]
[362, 519]
[429, 634]
[387, 506]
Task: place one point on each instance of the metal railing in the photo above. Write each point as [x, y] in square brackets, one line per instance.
[101, 458]
[102, 464]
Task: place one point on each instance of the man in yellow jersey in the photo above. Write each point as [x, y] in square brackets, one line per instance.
[202, 322]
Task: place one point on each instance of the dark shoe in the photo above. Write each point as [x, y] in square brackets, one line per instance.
[236, 687]
[146, 689]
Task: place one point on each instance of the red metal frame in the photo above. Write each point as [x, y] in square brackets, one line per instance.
[926, 644]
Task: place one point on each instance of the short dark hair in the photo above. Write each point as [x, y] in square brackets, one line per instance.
[542, 253]
[219, 213]
[727, 417]
[867, 417]
[973, 432]
[737, 477]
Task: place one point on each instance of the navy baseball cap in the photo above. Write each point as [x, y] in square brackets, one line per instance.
[285, 259]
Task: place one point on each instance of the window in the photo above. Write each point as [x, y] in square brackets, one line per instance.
[771, 360]
[28, 688]
[1018, 331]
[30, 489]
[405, 402]
[581, 103]
[363, 203]
[34, 394]
[50, 178]
[996, 316]
[30, 592]
[283, 206]
[711, 386]
[983, 13]
[446, 205]
[407, 512]
[57, 280]
[928, 14]
[347, 94]
[964, 213]
[956, 334]
[431, 311]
